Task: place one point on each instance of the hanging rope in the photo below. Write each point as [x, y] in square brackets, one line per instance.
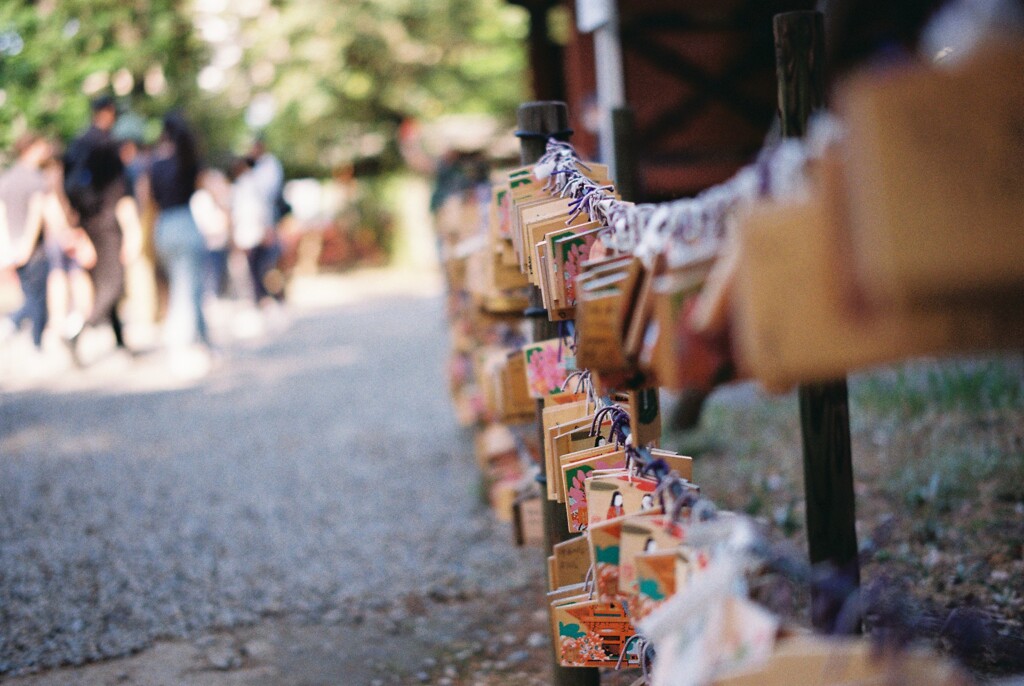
[687, 229]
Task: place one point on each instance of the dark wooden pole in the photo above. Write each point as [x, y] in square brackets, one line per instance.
[536, 122]
[546, 77]
[623, 130]
[824, 407]
[799, 68]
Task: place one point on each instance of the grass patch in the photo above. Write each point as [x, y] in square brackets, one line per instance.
[919, 388]
[944, 479]
[929, 437]
[938, 449]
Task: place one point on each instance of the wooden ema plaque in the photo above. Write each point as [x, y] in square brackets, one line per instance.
[794, 322]
[936, 183]
[572, 561]
[591, 633]
[835, 661]
[528, 521]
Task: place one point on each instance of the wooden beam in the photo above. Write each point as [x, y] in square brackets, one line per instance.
[824, 407]
[535, 122]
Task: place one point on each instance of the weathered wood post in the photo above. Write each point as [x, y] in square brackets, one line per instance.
[824, 407]
[536, 123]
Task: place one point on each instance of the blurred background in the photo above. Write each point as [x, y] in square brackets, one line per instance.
[328, 85]
[219, 503]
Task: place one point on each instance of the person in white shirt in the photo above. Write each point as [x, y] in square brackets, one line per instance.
[263, 186]
[210, 206]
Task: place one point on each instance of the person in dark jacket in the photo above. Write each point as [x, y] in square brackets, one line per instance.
[95, 183]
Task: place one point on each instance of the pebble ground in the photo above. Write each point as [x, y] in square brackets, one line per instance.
[310, 473]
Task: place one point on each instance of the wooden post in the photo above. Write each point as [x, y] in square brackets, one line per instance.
[547, 78]
[624, 150]
[799, 68]
[824, 407]
[536, 122]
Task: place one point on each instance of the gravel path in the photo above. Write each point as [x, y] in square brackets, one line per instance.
[314, 470]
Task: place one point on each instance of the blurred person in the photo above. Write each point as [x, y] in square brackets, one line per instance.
[249, 214]
[251, 219]
[104, 116]
[179, 244]
[97, 189]
[69, 253]
[267, 181]
[145, 286]
[211, 206]
[130, 133]
[23, 192]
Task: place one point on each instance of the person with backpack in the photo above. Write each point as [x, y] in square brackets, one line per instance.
[104, 116]
[97, 189]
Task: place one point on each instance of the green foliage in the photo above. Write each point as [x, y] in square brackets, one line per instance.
[909, 392]
[944, 478]
[358, 68]
[952, 425]
[341, 75]
[53, 49]
[376, 220]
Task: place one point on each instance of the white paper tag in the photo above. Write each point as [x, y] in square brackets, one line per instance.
[707, 629]
[542, 171]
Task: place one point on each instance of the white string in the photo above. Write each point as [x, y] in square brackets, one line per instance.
[682, 230]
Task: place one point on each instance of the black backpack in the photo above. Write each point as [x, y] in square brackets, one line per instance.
[78, 188]
[89, 170]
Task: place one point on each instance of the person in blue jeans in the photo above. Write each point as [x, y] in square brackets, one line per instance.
[32, 275]
[179, 244]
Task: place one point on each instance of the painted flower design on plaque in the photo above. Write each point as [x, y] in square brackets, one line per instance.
[546, 369]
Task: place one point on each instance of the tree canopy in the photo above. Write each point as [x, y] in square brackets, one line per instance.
[327, 82]
[54, 54]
